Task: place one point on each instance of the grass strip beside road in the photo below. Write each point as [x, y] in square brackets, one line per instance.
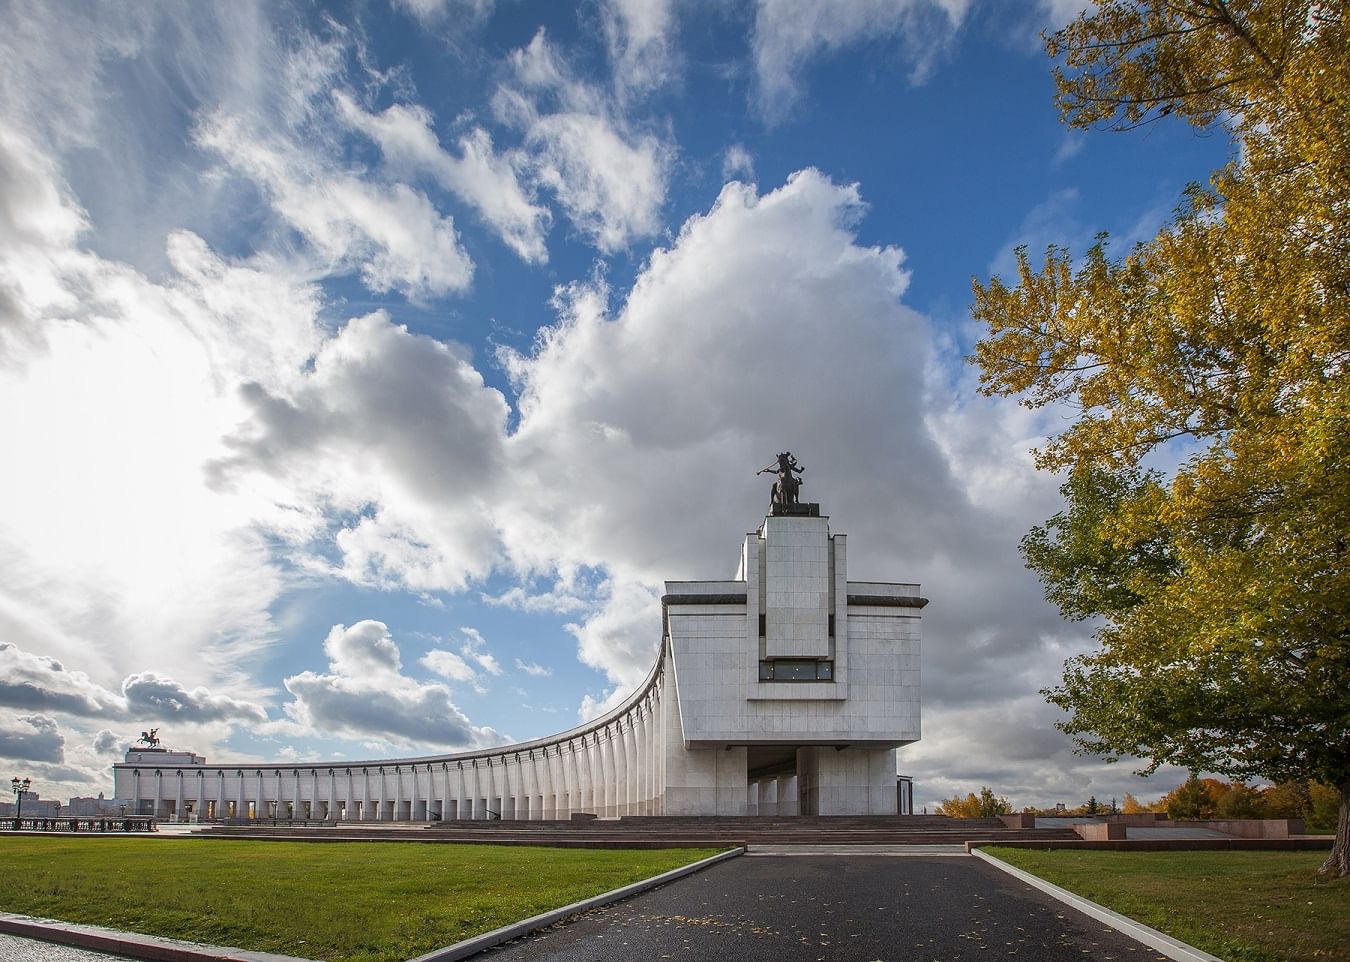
[349, 902]
[1240, 906]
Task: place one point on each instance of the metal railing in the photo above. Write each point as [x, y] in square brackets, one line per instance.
[80, 823]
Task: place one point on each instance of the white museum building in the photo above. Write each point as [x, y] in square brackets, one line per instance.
[784, 691]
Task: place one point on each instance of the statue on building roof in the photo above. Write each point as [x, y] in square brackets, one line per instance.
[786, 489]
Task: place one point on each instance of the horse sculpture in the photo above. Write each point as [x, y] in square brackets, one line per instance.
[151, 738]
[786, 489]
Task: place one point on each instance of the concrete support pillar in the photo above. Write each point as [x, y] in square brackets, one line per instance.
[787, 794]
[768, 796]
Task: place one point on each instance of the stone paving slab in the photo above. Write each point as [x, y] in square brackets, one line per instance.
[15, 949]
[812, 908]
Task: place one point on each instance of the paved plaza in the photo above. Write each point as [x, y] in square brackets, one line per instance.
[777, 908]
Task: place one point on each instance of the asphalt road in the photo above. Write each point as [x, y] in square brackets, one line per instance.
[844, 908]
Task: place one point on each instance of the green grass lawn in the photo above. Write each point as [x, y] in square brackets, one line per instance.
[1240, 906]
[363, 901]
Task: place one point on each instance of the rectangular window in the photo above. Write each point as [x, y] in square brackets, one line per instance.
[796, 669]
[763, 624]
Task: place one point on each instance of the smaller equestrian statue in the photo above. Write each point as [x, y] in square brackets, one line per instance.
[786, 488]
[150, 738]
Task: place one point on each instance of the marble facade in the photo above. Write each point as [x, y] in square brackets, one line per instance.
[783, 691]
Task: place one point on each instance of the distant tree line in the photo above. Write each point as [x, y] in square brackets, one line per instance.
[1195, 798]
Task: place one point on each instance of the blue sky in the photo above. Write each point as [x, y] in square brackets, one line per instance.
[368, 366]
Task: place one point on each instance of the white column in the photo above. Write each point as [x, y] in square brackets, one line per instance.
[632, 805]
[572, 774]
[475, 810]
[645, 757]
[548, 805]
[258, 807]
[528, 784]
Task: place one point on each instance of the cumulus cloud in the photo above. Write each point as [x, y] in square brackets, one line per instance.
[609, 178]
[789, 34]
[36, 682]
[108, 743]
[150, 695]
[31, 681]
[31, 738]
[396, 435]
[365, 692]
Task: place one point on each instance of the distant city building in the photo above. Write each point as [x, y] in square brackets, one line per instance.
[784, 691]
[34, 806]
[92, 806]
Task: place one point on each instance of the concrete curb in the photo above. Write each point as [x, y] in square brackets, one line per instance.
[148, 948]
[479, 943]
[1160, 942]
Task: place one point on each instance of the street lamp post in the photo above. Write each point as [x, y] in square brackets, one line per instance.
[20, 787]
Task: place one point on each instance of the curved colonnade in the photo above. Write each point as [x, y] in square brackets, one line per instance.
[610, 766]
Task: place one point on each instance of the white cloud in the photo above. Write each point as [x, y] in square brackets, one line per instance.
[449, 665]
[789, 34]
[738, 164]
[609, 179]
[639, 36]
[479, 175]
[1071, 144]
[390, 232]
[533, 669]
[364, 692]
[475, 649]
[436, 12]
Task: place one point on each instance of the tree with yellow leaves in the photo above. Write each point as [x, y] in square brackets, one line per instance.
[1207, 460]
[984, 805]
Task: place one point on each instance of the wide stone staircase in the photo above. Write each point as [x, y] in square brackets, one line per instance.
[656, 831]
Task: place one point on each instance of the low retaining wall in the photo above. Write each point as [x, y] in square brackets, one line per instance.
[1306, 843]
